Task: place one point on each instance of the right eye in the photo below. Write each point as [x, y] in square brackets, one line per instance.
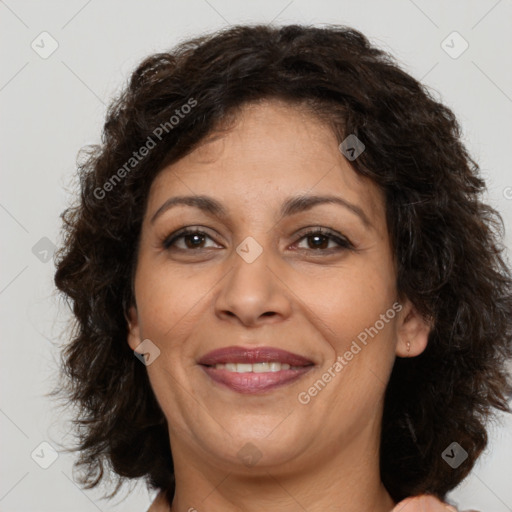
[193, 240]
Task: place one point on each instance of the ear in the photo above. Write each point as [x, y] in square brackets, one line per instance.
[134, 338]
[413, 331]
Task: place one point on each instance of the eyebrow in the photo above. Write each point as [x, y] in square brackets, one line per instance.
[291, 206]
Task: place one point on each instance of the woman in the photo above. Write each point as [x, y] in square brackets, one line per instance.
[286, 231]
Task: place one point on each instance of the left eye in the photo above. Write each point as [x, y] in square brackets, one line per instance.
[320, 240]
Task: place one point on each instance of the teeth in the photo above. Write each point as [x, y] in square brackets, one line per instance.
[261, 367]
[273, 366]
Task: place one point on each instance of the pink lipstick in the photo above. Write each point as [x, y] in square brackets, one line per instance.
[254, 370]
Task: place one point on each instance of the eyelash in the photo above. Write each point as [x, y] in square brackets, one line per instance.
[343, 243]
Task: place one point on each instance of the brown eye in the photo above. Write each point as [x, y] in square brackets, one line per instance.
[192, 239]
[320, 240]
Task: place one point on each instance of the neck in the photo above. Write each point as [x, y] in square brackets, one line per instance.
[346, 474]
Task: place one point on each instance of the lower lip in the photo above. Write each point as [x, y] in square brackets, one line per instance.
[251, 382]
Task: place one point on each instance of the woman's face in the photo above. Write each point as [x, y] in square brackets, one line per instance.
[253, 278]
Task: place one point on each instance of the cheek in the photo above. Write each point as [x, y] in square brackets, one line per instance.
[168, 298]
[344, 304]
[357, 319]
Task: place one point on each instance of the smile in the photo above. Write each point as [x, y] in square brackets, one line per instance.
[262, 367]
[253, 382]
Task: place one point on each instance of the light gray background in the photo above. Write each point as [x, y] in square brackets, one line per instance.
[52, 107]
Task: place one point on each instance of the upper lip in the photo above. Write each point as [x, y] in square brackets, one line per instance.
[236, 354]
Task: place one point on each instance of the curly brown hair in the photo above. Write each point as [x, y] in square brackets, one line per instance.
[446, 242]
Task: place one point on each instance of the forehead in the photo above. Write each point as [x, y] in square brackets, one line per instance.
[270, 151]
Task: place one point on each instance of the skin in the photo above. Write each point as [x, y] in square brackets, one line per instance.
[294, 296]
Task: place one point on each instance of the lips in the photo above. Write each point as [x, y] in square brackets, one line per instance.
[241, 370]
[253, 355]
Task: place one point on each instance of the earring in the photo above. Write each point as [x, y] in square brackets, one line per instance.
[408, 346]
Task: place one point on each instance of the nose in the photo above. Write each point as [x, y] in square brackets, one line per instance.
[254, 292]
